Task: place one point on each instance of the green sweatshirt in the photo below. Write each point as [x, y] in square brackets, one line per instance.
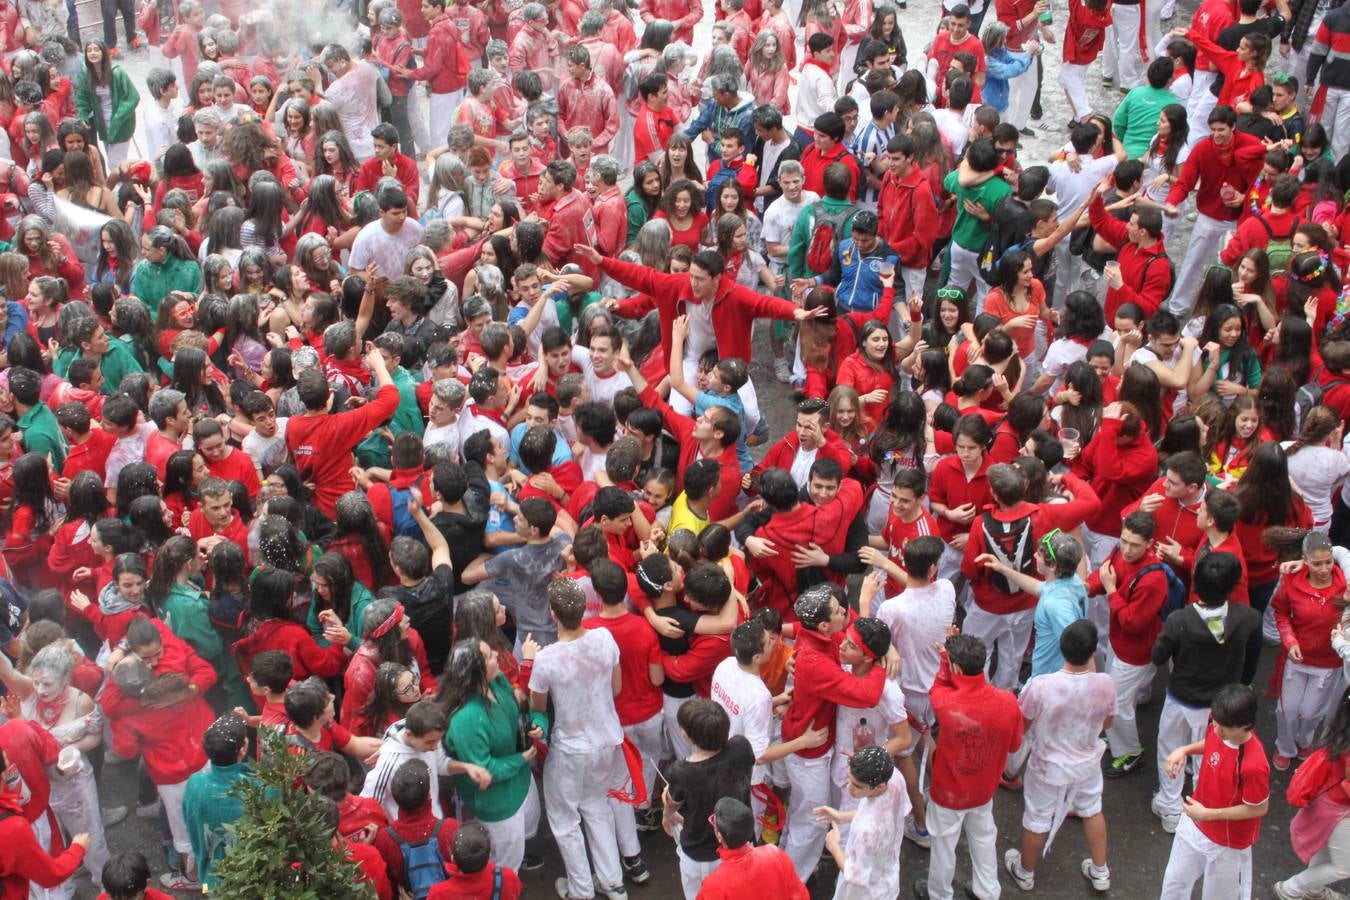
[805, 228]
[124, 99]
[152, 282]
[969, 232]
[484, 734]
[208, 808]
[408, 415]
[360, 600]
[115, 365]
[185, 611]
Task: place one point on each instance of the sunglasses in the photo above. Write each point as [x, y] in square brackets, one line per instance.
[1047, 544]
[950, 293]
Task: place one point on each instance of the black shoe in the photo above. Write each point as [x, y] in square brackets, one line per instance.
[635, 870]
[648, 819]
[531, 861]
[1027, 132]
[921, 889]
[1123, 765]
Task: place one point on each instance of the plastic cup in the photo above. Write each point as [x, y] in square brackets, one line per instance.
[886, 269]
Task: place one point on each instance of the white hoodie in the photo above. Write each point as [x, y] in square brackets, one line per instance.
[394, 752]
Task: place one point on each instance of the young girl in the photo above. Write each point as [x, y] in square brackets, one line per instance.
[743, 265]
[682, 209]
[1318, 462]
[678, 164]
[731, 201]
[1230, 365]
[119, 601]
[1243, 69]
[335, 157]
[1232, 442]
[846, 418]
[1163, 159]
[767, 71]
[107, 99]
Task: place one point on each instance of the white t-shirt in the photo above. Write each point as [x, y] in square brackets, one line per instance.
[872, 849]
[602, 388]
[471, 423]
[1061, 354]
[889, 712]
[954, 128]
[387, 251]
[452, 434]
[1145, 355]
[126, 451]
[1068, 710]
[267, 453]
[780, 218]
[1317, 471]
[749, 705]
[1071, 189]
[918, 619]
[355, 95]
[579, 676]
[802, 463]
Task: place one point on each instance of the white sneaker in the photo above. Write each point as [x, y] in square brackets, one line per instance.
[1099, 882]
[1169, 822]
[915, 836]
[1012, 861]
[781, 370]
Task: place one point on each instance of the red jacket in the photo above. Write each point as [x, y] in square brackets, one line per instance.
[821, 686]
[684, 14]
[590, 103]
[1044, 518]
[734, 308]
[476, 885]
[359, 679]
[909, 217]
[405, 170]
[445, 67]
[949, 486]
[805, 524]
[748, 871]
[1258, 230]
[610, 213]
[682, 427]
[695, 666]
[570, 221]
[1135, 606]
[814, 164]
[1145, 271]
[321, 445]
[978, 726]
[1175, 522]
[1118, 472]
[307, 657]
[1085, 34]
[417, 828]
[1209, 167]
[23, 860]
[781, 454]
[1232, 545]
[651, 131]
[1262, 562]
[1305, 616]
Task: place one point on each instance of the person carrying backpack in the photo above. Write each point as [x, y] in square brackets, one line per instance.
[1137, 586]
[1002, 612]
[820, 227]
[855, 271]
[425, 842]
[472, 873]
[1272, 230]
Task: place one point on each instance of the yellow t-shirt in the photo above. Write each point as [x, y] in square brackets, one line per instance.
[681, 516]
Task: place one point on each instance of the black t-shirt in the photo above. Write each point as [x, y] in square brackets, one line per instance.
[430, 607]
[697, 786]
[686, 619]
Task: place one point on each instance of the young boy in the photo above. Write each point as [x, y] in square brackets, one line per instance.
[310, 727]
[269, 674]
[523, 169]
[1217, 517]
[126, 876]
[208, 805]
[418, 735]
[580, 674]
[869, 866]
[266, 443]
[1069, 708]
[472, 872]
[1223, 816]
[724, 380]
[582, 146]
[1206, 644]
[906, 521]
[732, 165]
[719, 766]
[423, 837]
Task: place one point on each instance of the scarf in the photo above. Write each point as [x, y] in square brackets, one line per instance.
[110, 602]
[351, 374]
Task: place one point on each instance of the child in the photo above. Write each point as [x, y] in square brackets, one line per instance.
[1223, 816]
[657, 489]
[223, 88]
[523, 169]
[1069, 709]
[472, 872]
[581, 145]
[906, 521]
[120, 601]
[126, 876]
[1217, 517]
[269, 674]
[870, 865]
[1206, 643]
[417, 736]
[208, 804]
[424, 838]
[719, 766]
[702, 486]
[310, 727]
[733, 164]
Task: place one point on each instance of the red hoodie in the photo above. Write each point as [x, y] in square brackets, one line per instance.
[804, 524]
[1305, 616]
[321, 445]
[909, 218]
[1119, 471]
[978, 726]
[781, 454]
[1044, 518]
[445, 67]
[748, 871]
[821, 686]
[683, 428]
[23, 860]
[1135, 622]
[417, 828]
[294, 639]
[1262, 561]
[477, 885]
[1210, 166]
[1175, 522]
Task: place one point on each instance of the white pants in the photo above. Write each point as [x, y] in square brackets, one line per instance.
[75, 802]
[914, 280]
[171, 798]
[417, 119]
[679, 745]
[576, 789]
[1067, 267]
[946, 826]
[1308, 697]
[510, 834]
[1009, 632]
[1199, 105]
[1098, 547]
[1336, 120]
[1071, 79]
[804, 837]
[1021, 91]
[116, 153]
[965, 268]
[1179, 725]
[1202, 251]
[1227, 872]
[1122, 737]
[1121, 51]
[1328, 866]
[692, 873]
[443, 113]
[647, 736]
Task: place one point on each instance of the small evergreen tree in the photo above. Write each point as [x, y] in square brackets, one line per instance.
[283, 844]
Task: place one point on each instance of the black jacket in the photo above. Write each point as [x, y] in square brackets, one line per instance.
[1200, 664]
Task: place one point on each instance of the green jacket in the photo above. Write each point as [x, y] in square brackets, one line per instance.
[805, 228]
[969, 232]
[185, 611]
[637, 214]
[42, 435]
[124, 100]
[116, 364]
[484, 734]
[361, 598]
[408, 415]
[152, 282]
[208, 808]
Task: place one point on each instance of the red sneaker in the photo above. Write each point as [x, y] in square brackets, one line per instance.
[1281, 763]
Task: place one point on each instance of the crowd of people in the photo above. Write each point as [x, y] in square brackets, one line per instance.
[378, 377]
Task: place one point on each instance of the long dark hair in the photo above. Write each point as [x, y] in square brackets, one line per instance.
[1264, 489]
[354, 515]
[901, 431]
[135, 480]
[147, 513]
[383, 703]
[475, 617]
[338, 571]
[1241, 356]
[176, 552]
[33, 488]
[1139, 386]
[1175, 114]
[1294, 351]
[1275, 402]
[391, 646]
[465, 676]
[190, 377]
[86, 498]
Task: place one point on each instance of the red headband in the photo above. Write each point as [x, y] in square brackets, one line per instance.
[388, 624]
[852, 635]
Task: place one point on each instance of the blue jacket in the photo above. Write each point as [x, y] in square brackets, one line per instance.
[856, 277]
[16, 322]
[711, 116]
[1001, 66]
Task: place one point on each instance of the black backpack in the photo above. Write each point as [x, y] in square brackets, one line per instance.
[1014, 545]
[1312, 394]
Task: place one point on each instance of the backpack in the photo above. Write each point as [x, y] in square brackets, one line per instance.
[1279, 250]
[999, 244]
[1312, 779]
[1012, 544]
[1171, 271]
[1176, 590]
[1312, 394]
[825, 227]
[405, 524]
[423, 865]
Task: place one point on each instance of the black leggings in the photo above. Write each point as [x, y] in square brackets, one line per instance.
[110, 9]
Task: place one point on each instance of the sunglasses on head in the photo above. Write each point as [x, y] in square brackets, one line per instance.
[1047, 544]
[950, 293]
